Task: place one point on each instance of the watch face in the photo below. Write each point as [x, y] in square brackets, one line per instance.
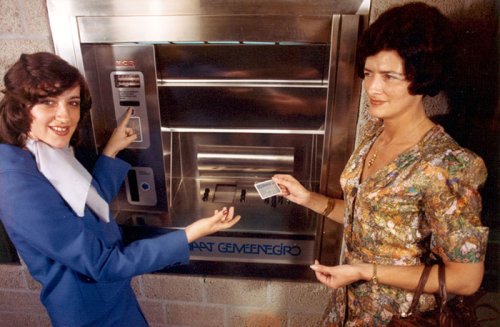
[267, 189]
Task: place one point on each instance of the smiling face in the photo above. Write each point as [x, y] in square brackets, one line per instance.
[55, 118]
[387, 87]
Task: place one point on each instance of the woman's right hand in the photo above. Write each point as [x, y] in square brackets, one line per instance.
[292, 190]
[122, 137]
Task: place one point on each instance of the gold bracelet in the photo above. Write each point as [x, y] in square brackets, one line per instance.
[330, 204]
[374, 276]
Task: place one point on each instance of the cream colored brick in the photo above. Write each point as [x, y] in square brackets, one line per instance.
[32, 284]
[12, 49]
[11, 276]
[19, 301]
[136, 286]
[303, 297]
[254, 317]
[187, 314]
[11, 18]
[153, 311]
[35, 17]
[24, 320]
[236, 291]
[169, 287]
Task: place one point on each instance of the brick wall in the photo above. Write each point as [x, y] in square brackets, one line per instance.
[180, 300]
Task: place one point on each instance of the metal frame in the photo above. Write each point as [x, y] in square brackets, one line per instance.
[74, 22]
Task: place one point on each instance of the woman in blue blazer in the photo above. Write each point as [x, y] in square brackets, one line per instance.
[57, 214]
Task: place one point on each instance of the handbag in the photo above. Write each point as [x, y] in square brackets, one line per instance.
[458, 311]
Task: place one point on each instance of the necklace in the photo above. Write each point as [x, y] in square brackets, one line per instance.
[373, 157]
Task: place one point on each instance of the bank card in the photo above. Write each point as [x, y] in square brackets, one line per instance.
[267, 189]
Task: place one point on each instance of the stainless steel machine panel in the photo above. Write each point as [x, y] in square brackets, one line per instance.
[225, 94]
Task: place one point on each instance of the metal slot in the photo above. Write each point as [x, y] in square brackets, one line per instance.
[242, 131]
[224, 193]
[220, 160]
[241, 83]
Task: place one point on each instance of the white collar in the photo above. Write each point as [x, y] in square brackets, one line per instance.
[69, 178]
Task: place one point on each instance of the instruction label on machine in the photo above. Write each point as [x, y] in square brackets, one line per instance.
[128, 92]
[287, 251]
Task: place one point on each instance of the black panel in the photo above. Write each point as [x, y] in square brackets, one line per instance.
[243, 107]
[242, 61]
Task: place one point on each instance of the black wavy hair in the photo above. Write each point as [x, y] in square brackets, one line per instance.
[423, 38]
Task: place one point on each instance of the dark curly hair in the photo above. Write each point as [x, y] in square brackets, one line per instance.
[32, 78]
[423, 38]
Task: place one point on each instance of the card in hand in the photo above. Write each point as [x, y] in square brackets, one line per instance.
[267, 189]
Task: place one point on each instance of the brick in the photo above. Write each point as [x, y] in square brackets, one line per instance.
[11, 18]
[236, 291]
[19, 301]
[303, 297]
[171, 287]
[255, 317]
[32, 284]
[153, 311]
[136, 286]
[24, 320]
[187, 314]
[35, 18]
[11, 276]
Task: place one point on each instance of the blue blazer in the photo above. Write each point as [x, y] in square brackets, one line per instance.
[82, 264]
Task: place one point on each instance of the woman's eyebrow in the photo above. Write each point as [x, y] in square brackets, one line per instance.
[392, 73]
[385, 72]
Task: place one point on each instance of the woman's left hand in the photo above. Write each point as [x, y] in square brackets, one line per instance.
[221, 220]
[336, 276]
[121, 138]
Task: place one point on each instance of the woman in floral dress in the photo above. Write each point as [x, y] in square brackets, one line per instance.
[406, 182]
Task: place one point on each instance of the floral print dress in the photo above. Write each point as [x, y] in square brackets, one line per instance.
[429, 189]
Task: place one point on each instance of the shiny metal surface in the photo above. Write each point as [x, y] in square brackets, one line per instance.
[214, 28]
[100, 61]
[208, 7]
[235, 92]
[243, 131]
[341, 124]
[66, 35]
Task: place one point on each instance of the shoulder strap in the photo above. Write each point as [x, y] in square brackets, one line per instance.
[419, 290]
[443, 295]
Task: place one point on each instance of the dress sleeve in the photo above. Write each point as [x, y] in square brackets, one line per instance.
[452, 205]
[108, 184]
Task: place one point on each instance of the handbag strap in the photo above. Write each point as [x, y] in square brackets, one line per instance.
[419, 290]
[443, 295]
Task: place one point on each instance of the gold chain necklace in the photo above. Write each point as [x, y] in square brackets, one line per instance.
[373, 157]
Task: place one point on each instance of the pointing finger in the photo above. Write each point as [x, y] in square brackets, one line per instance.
[126, 118]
